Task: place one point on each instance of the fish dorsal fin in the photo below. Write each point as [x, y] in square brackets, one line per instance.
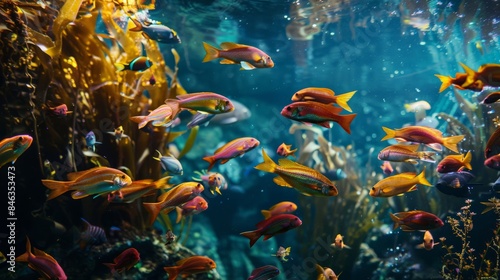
[286, 163]
[413, 147]
[182, 262]
[227, 61]
[460, 157]
[74, 175]
[162, 197]
[275, 223]
[230, 45]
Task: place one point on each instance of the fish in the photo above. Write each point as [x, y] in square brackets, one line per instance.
[124, 261]
[339, 243]
[176, 196]
[458, 82]
[192, 207]
[90, 140]
[59, 110]
[428, 243]
[405, 153]
[282, 253]
[304, 179]
[42, 263]
[317, 113]
[325, 96]
[157, 32]
[285, 150]
[417, 106]
[326, 273]
[200, 118]
[455, 183]
[232, 149]
[416, 220]
[206, 102]
[214, 180]
[232, 53]
[169, 164]
[284, 207]
[92, 235]
[493, 162]
[399, 184]
[118, 133]
[479, 47]
[488, 74]
[270, 227]
[387, 168]
[161, 116]
[139, 64]
[240, 113]
[137, 189]
[96, 181]
[493, 141]
[264, 273]
[491, 98]
[190, 266]
[452, 163]
[13, 147]
[170, 237]
[423, 135]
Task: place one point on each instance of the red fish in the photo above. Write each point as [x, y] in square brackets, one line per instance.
[493, 162]
[233, 149]
[416, 220]
[126, 260]
[272, 226]
[42, 263]
[247, 56]
[190, 266]
[453, 163]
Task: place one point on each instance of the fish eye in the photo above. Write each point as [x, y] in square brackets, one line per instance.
[123, 176]
[373, 188]
[288, 108]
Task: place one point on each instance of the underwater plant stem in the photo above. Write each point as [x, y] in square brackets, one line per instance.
[190, 222]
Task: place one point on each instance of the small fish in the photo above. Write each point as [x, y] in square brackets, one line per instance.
[124, 261]
[317, 113]
[452, 163]
[235, 148]
[491, 98]
[405, 153]
[285, 150]
[339, 243]
[270, 227]
[455, 183]
[428, 243]
[421, 105]
[59, 110]
[387, 168]
[423, 135]
[416, 220]
[282, 253]
[139, 64]
[118, 133]
[264, 273]
[176, 196]
[324, 95]
[13, 147]
[170, 237]
[92, 235]
[137, 189]
[169, 164]
[190, 266]
[398, 184]
[493, 162]
[284, 207]
[192, 207]
[214, 180]
[157, 32]
[294, 175]
[247, 56]
[326, 273]
[161, 116]
[42, 263]
[90, 139]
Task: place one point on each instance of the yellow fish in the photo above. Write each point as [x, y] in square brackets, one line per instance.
[398, 184]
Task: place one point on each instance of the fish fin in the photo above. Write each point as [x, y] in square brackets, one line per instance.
[231, 45]
[446, 81]
[227, 61]
[422, 180]
[211, 52]
[266, 237]
[345, 122]
[256, 57]
[413, 188]
[218, 191]
[137, 27]
[211, 160]
[179, 214]
[141, 120]
[172, 271]
[159, 156]
[281, 182]
[467, 160]
[246, 66]
[268, 165]
[252, 235]
[79, 195]
[153, 210]
[412, 161]
[266, 214]
[323, 124]
[389, 133]
[223, 161]
[343, 99]
[56, 187]
[427, 157]
[396, 221]
[406, 228]
[420, 246]
[452, 141]
[292, 152]
[435, 146]
[25, 256]
[121, 66]
[471, 75]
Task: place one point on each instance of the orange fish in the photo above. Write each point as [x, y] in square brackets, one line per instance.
[339, 243]
[324, 95]
[136, 189]
[326, 273]
[284, 150]
[247, 56]
[453, 163]
[11, 148]
[428, 243]
[42, 263]
[424, 135]
[488, 74]
[192, 207]
[284, 207]
[189, 266]
[398, 184]
[405, 153]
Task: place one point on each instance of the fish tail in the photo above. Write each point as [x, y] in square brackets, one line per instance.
[179, 214]
[121, 66]
[389, 133]
[153, 210]
[445, 82]
[345, 122]
[212, 52]
[211, 160]
[172, 271]
[268, 165]
[427, 156]
[252, 235]
[395, 220]
[471, 75]
[422, 180]
[141, 120]
[56, 187]
[266, 214]
[137, 27]
[467, 160]
[25, 256]
[343, 99]
[452, 141]
[292, 152]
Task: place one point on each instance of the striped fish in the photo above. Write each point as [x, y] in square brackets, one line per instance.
[233, 149]
[264, 273]
[92, 235]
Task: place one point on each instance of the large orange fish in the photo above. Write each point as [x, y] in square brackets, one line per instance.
[136, 189]
[324, 95]
[247, 56]
[189, 266]
[423, 135]
[11, 148]
[452, 163]
[272, 226]
[488, 74]
[235, 148]
[405, 153]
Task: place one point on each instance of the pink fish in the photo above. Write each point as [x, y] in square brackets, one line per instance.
[233, 149]
[272, 226]
[192, 207]
[387, 168]
[42, 263]
[161, 116]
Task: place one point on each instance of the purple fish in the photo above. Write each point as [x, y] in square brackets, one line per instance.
[92, 235]
[42, 262]
[233, 149]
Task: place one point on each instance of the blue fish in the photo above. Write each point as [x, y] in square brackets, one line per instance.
[455, 183]
[158, 32]
[170, 164]
[92, 235]
[91, 141]
[139, 64]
